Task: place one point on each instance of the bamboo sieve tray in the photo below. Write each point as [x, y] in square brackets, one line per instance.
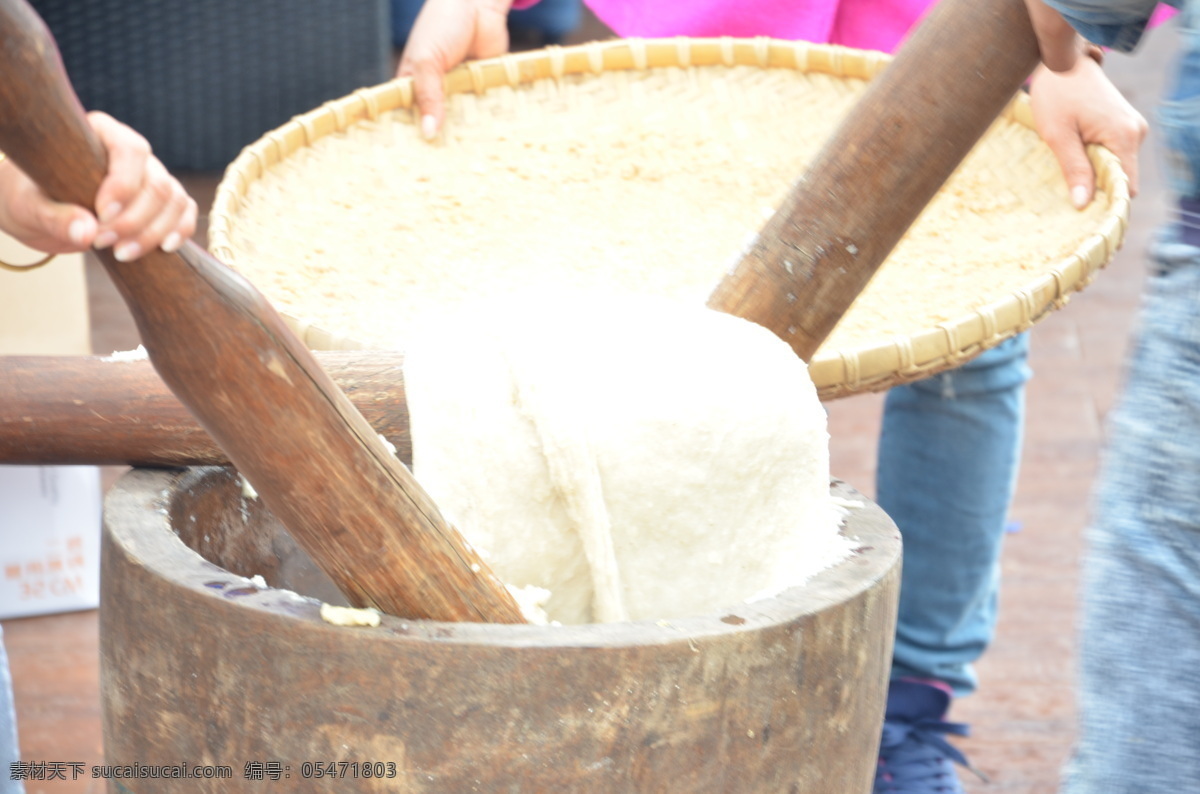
[642, 164]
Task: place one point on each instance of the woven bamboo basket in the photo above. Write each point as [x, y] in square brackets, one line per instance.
[646, 165]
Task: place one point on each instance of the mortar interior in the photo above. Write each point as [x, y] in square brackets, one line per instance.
[204, 509]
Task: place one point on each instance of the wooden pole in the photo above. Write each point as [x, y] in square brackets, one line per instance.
[875, 175]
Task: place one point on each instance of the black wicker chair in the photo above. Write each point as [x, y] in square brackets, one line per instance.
[203, 78]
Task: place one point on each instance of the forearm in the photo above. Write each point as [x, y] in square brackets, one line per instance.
[1060, 44]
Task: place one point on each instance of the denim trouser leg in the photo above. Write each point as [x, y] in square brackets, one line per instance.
[1139, 660]
[947, 467]
[9, 754]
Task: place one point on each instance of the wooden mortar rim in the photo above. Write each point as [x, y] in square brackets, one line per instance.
[138, 520]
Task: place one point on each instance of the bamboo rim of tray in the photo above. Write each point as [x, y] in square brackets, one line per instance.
[836, 372]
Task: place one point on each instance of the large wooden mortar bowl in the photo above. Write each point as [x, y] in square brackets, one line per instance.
[201, 666]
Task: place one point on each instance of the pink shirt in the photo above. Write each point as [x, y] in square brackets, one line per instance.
[864, 24]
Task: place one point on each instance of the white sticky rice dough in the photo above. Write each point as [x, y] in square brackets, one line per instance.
[638, 458]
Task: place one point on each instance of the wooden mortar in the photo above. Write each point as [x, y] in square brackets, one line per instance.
[201, 666]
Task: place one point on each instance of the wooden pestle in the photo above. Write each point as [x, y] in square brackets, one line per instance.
[252, 385]
[891, 154]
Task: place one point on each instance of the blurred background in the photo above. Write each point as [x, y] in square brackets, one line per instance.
[203, 79]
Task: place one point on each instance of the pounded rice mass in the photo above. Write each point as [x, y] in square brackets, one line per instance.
[636, 457]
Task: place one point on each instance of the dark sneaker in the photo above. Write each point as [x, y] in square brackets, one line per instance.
[914, 756]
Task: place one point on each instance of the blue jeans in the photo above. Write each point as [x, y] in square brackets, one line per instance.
[8, 728]
[948, 458]
[1139, 674]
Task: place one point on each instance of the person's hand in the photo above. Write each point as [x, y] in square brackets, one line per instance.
[1057, 40]
[1078, 107]
[139, 206]
[446, 33]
